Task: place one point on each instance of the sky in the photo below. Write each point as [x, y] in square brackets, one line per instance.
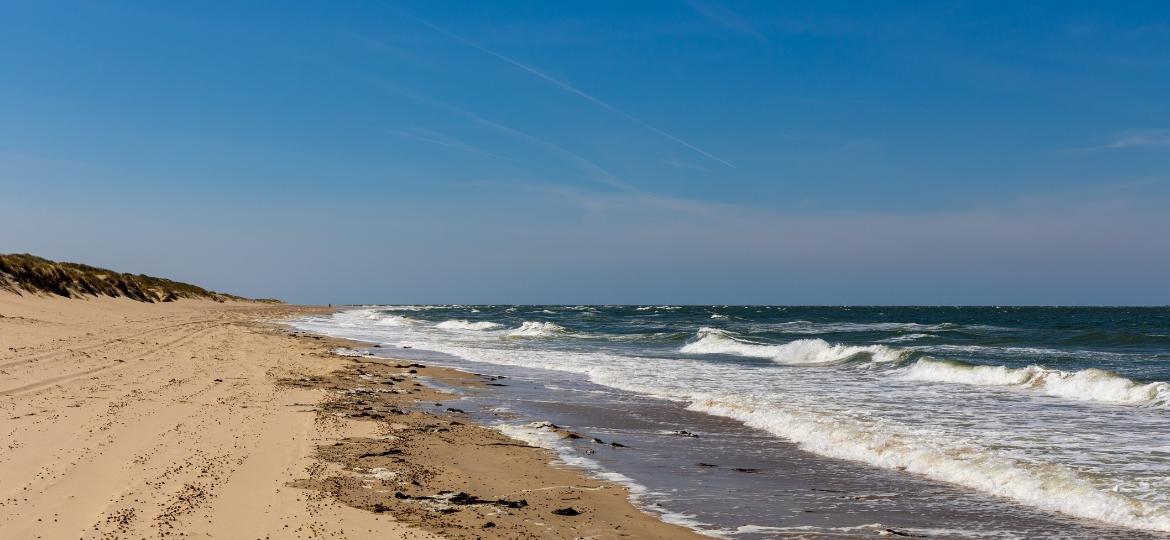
[685, 151]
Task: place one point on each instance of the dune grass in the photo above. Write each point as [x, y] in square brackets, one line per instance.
[29, 274]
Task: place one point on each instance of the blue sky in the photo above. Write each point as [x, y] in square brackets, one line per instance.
[675, 151]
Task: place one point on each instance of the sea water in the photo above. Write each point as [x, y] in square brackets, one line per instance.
[1007, 421]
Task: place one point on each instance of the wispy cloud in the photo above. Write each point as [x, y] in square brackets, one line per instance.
[726, 18]
[438, 139]
[1134, 138]
[446, 141]
[647, 205]
[680, 164]
[626, 196]
[1141, 138]
[382, 48]
[569, 88]
[594, 171]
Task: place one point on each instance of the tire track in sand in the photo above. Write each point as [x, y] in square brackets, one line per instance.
[26, 388]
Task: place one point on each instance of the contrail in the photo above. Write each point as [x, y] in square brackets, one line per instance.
[452, 144]
[597, 172]
[568, 88]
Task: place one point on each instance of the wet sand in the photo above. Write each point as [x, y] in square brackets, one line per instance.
[197, 419]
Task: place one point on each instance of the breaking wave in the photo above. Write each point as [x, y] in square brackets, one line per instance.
[809, 327]
[799, 352]
[1038, 353]
[993, 435]
[393, 320]
[463, 324]
[907, 337]
[536, 329]
[1084, 385]
[416, 308]
[1044, 485]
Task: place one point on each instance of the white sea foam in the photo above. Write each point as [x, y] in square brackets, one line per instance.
[868, 529]
[1039, 451]
[1083, 385]
[537, 328]
[799, 352]
[463, 324]
[857, 437]
[532, 433]
[1014, 352]
[541, 434]
[906, 337]
[394, 320]
[415, 308]
[1043, 485]
[809, 327]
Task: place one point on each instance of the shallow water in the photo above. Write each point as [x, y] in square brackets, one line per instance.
[984, 420]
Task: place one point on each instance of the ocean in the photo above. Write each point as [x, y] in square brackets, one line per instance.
[783, 421]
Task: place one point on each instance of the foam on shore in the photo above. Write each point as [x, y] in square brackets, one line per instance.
[993, 430]
[542, 434]
[1042, 485]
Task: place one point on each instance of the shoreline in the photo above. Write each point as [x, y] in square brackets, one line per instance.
[223, 420]
[789, 490]
[428, 464]
[202, 419]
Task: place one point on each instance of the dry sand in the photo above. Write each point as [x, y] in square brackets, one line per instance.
[195, 419]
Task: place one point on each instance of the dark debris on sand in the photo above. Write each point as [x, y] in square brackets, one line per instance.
[417, 469]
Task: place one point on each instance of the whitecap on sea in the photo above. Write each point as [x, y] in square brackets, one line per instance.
[798, 352]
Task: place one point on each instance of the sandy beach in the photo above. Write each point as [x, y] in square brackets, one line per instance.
[585, 270]
[198, 419]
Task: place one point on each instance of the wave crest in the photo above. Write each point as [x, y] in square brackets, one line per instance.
[1047, 486]
[798, 352]
[907, 337]
[809, 327]
[393, 320]
[463, 324]
[537, 329]
[1084, 385]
